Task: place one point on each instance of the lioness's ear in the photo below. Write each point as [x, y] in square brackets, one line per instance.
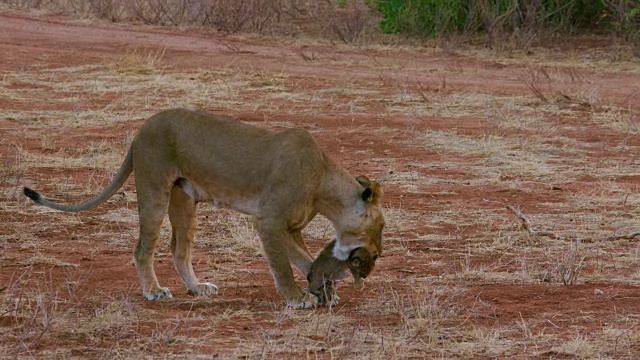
[367, 194]
[363, 181]
[371, 191]
[376, 193]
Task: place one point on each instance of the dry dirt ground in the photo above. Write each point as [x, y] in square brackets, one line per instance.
[455, 135]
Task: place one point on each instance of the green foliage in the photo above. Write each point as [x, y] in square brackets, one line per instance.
[421, 16]
[441, 17]
[631, 23]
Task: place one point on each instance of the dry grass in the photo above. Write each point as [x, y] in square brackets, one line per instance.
[140, 62]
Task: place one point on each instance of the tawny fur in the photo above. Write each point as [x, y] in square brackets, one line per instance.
[181, 158]
[326, 270]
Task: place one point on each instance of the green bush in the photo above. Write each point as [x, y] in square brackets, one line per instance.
[441, 17]
[422, 17]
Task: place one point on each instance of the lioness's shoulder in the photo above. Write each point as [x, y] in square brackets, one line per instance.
[296, 138]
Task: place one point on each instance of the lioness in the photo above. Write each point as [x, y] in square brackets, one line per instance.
[181, 158]
[326, 269]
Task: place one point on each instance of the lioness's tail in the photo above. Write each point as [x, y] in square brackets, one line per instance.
[123, 173]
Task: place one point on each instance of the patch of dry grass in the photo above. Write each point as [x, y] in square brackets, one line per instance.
[140, 62]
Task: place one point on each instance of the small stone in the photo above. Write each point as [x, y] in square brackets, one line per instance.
[598, 292]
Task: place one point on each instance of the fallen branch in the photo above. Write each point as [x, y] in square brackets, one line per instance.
[232, 47]
[526, 224]
[306, 54]
[624, 237]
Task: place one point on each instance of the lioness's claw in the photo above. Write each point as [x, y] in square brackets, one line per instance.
[161, 293]
[204, 289]
[309, 301]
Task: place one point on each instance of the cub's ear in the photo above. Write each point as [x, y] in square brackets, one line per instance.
[356, 262]
[355, 258]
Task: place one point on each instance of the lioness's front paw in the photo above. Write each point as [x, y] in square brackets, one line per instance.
[160, 293]
[204, 289]
[308, 301]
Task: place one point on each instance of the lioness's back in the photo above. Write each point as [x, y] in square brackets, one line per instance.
[227, 151]
[205, 130]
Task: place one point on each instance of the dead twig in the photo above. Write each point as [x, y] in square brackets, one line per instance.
[526, 224]
[630, 236]
[233, 47]
[307, 54]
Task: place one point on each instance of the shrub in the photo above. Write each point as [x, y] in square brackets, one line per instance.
[437, 17]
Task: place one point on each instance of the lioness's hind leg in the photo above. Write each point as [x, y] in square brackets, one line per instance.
[183, 216]
[153, 199]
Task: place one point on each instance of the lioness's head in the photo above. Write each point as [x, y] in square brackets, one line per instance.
[361, 226]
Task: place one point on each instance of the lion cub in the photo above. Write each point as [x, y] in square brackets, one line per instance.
[326, 270]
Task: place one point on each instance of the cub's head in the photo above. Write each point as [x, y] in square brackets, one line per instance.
[361, 262]
[361, 225]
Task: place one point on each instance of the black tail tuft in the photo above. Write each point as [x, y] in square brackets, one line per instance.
[32, 194]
